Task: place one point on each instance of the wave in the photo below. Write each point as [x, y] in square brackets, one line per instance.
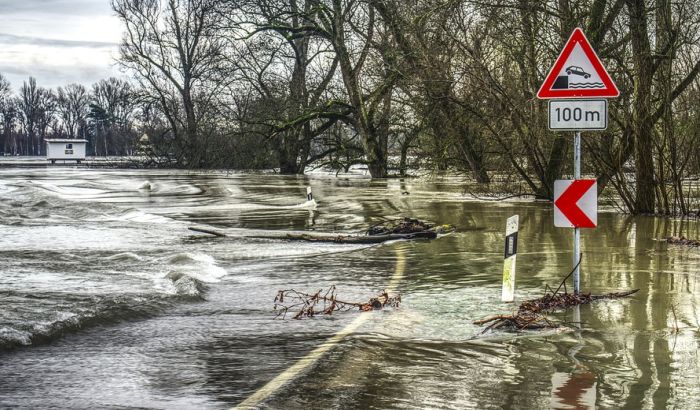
[134, 215]
[125, 257]
[104, 311]
[306, 205]
[199, 266]
[187, 286]
[586, 85]
[92, 311]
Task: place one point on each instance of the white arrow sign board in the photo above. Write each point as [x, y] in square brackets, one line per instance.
[575, 203]
[577, 115]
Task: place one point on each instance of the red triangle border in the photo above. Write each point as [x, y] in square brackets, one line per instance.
[546, 91]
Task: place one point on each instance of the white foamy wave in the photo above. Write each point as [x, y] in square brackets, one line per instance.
[69, 191]
[12, 336]
[60, 321]
[185, 285]
[198, 265]
[143, 217]
[306, 205]
[125, 257]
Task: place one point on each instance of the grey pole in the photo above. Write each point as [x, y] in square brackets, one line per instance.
[577, 231]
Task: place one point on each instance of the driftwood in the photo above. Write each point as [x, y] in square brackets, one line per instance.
[530, 313]
[682, 240]
[207, 231]
[407, 226]
[361, 239]
[550, 302]
[403, 229]
[520, 321]
[325, 303]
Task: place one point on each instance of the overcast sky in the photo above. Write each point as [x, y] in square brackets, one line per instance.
[58, 41]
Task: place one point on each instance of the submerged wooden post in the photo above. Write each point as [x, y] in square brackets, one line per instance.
[511, 250]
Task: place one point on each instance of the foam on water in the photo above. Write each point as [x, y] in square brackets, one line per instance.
[200, 266]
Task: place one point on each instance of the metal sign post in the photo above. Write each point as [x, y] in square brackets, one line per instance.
[578, 83]
[577, 230]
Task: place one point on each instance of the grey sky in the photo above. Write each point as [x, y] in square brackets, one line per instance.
[58, 41]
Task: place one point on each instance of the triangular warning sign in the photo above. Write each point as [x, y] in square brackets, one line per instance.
[578, 73]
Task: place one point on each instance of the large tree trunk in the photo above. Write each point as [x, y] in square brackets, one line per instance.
[374, 153]
[364, 124]
[288, 152]
[642, 122]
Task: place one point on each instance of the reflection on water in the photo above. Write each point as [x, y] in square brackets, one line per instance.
[109, 301]
[573, 390]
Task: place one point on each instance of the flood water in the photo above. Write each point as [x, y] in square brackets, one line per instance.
[107, 300]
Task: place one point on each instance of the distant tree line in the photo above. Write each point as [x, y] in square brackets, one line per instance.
[405, 84]
[104, 115]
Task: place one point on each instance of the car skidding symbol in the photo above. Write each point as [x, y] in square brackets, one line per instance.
[577, 70]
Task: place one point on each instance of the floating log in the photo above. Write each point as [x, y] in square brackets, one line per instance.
[207, 231]
[328, 238]
[403, 229]
[352, 239]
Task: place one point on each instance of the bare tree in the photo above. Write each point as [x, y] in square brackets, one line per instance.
[37, 107]
[72, 101]
[292, 69]
[111, 107]
[6, 111]
[176, 53]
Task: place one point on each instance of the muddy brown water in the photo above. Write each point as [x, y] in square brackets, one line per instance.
[107, 301]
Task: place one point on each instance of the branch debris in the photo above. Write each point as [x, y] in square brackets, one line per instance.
[530, 314]
[682, 240]
[399, 229]
[326, 302]
[405, 226]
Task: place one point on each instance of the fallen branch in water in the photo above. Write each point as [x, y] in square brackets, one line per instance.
[207, 231]
[682, 240]
[355, 239]
[520, 321]
[530, 312]
[402, 229]
[550, 302]
[405, 226]
[325, 303]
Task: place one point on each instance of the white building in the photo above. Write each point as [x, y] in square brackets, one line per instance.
[65, 150]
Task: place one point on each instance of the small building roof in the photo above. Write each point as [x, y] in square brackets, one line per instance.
[63, 140]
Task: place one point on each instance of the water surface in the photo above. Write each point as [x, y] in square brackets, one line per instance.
[108, 299]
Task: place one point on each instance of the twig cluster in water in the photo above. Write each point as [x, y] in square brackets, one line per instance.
[550, 302]
[519, 321]
[682, 240]
[530, 312]
[407, 226]
[326, 302]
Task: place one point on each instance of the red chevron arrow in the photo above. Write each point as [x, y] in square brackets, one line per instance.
[567, 203]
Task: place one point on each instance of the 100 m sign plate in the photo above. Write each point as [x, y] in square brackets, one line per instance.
[576, 115]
